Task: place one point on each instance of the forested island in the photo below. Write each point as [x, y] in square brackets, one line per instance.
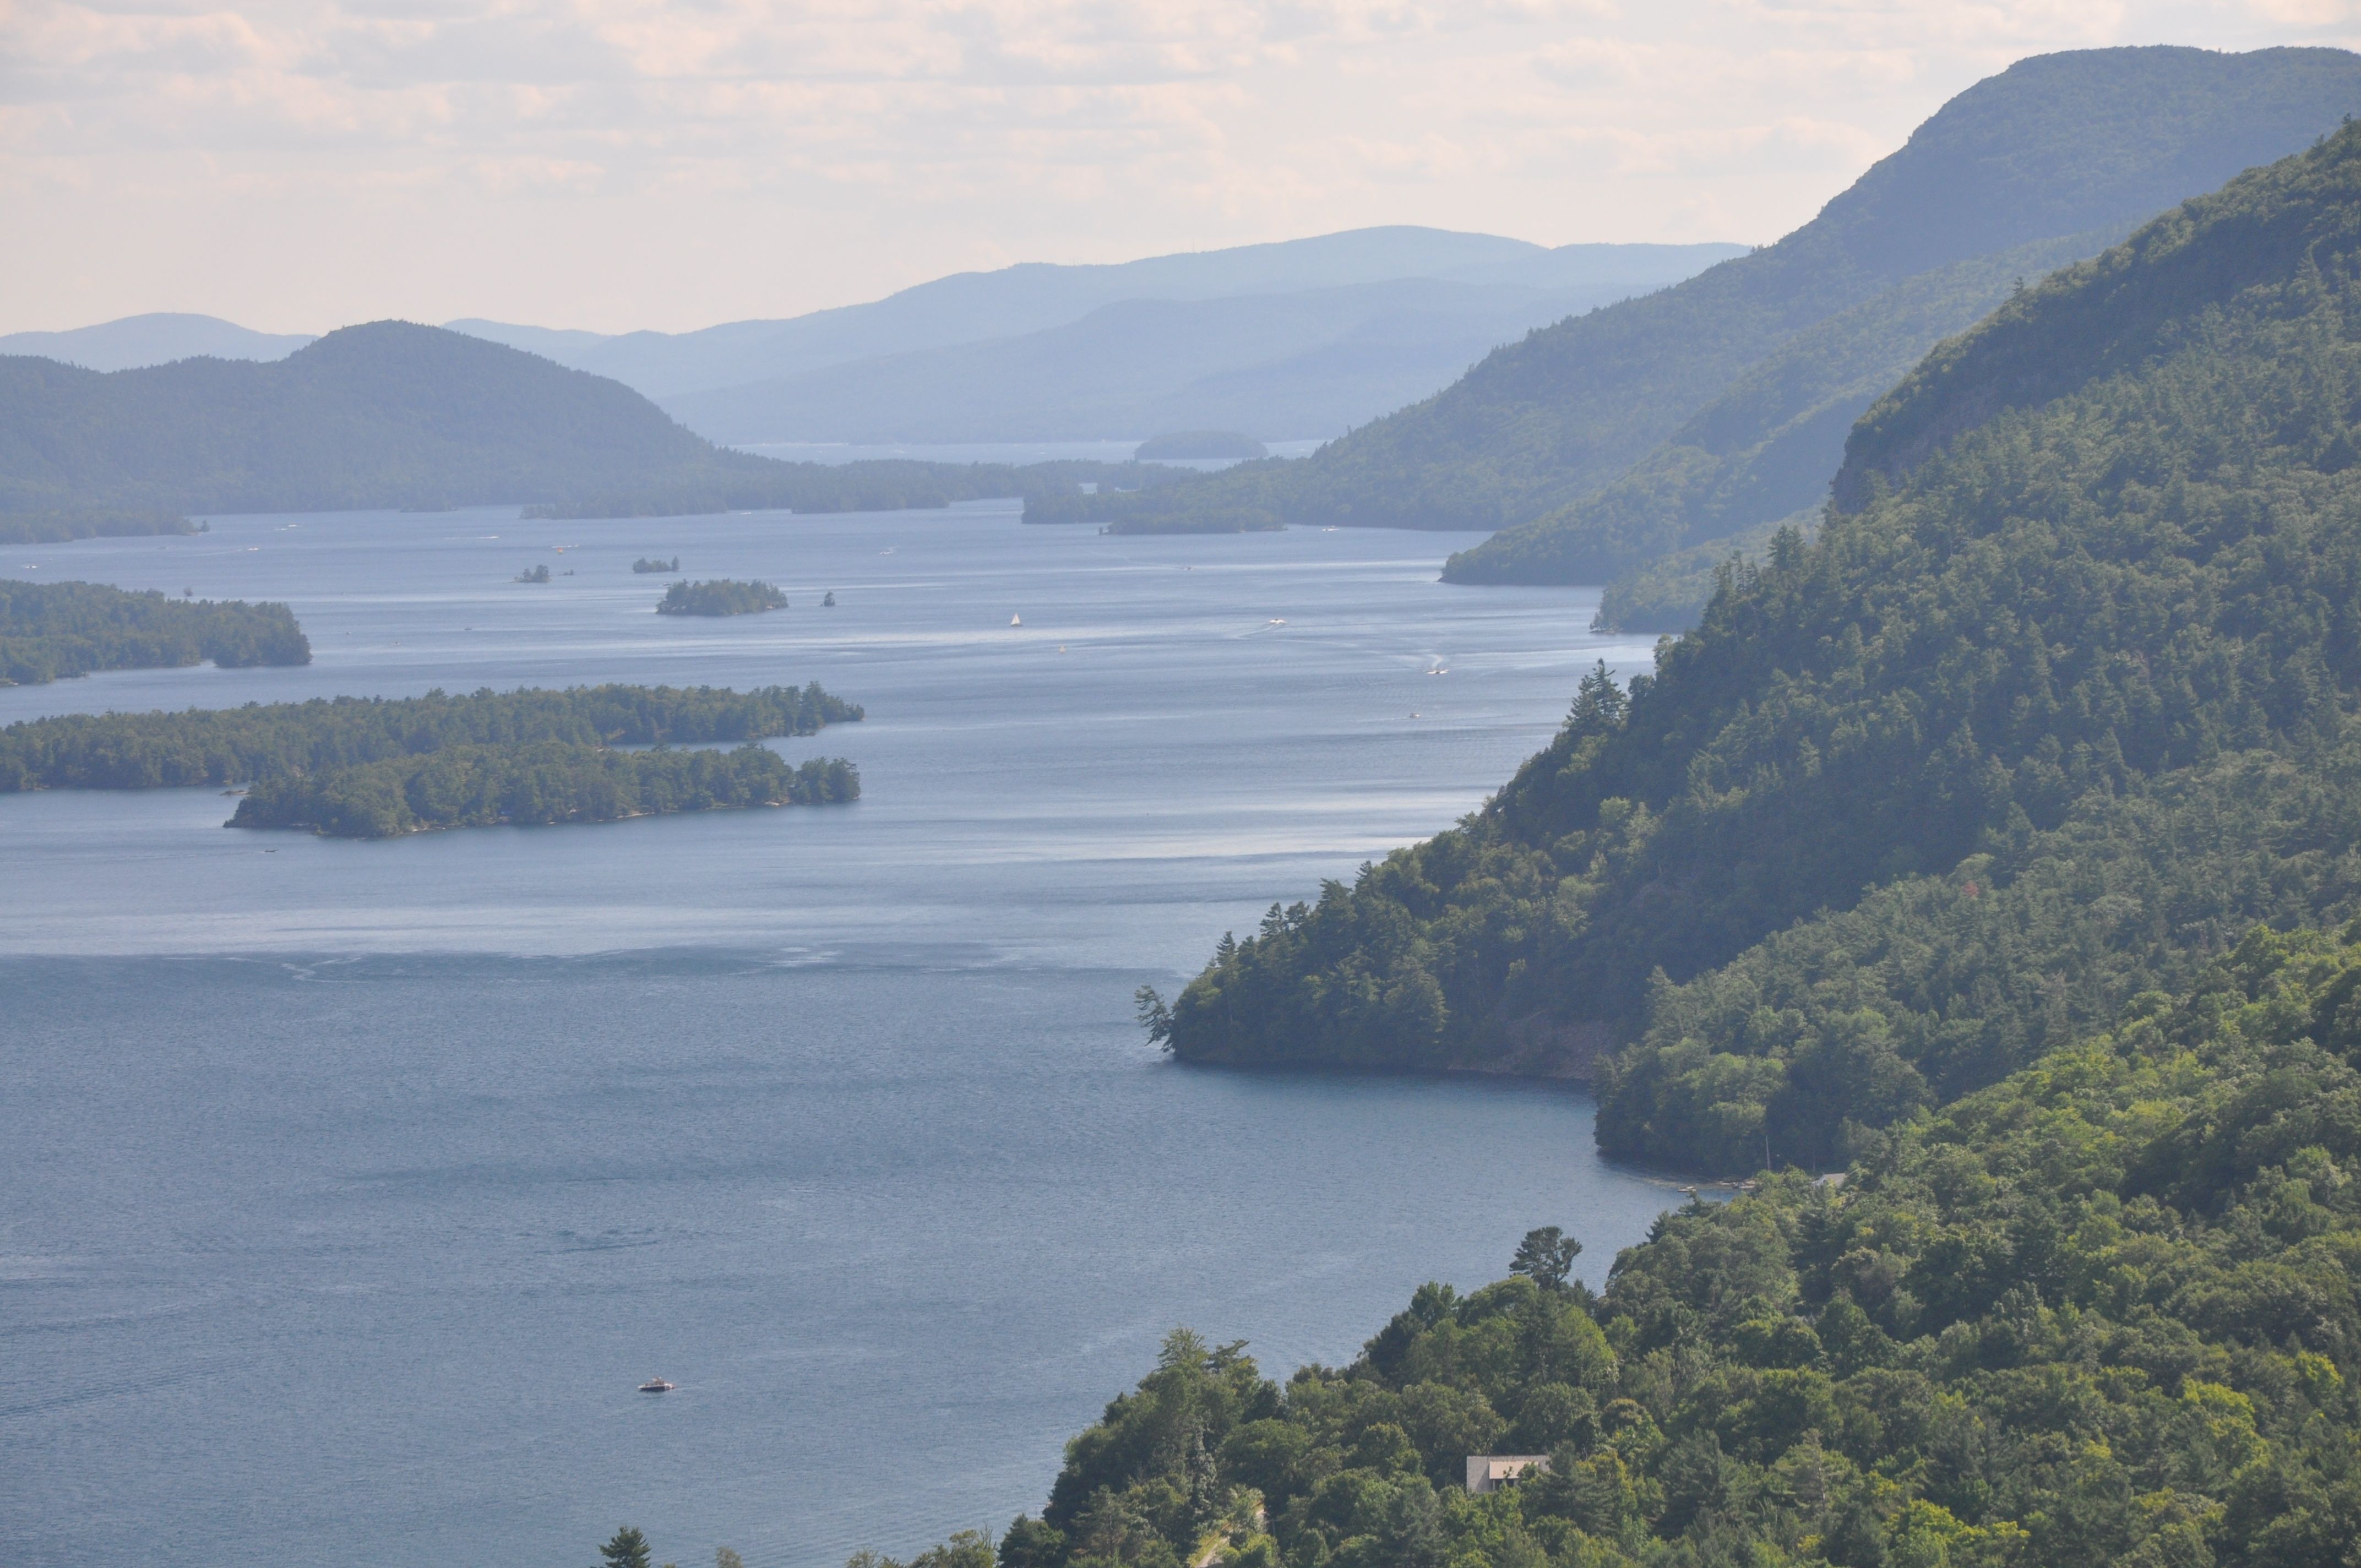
[57, 526]
[535, 782]
[52, 631]
[2100, 1314]
[370, 766]
[2064, 702]
[644, 565]
[720, 597]
[533, 574]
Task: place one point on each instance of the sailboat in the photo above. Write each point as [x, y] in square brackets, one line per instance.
[1016, 620]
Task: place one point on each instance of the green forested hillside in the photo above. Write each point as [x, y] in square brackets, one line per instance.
[50, 630]
[1766, 448]
[2099, 1315]
[2049, 720]
[1670, 593]
[2060, 144]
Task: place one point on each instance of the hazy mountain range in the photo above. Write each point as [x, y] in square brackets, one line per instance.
[1710, 409]
[1300, 338]
[394, 415]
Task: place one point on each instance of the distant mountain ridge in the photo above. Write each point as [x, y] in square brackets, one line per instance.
[1011, 302]
[395, 414]
[1297, 338]
[155, 339]
[385, 415]
[1309, 364]
[2056, 146]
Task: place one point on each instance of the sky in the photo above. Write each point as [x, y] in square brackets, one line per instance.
[295, 165]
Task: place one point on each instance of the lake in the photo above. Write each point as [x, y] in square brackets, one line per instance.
[348, 1188]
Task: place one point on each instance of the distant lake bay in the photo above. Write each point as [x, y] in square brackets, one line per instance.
[347, 1188]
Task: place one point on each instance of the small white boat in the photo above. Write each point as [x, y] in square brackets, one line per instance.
[657, 1386]
[1016, 620]
[1276, 621]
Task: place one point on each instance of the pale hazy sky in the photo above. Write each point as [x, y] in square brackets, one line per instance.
[298, 164]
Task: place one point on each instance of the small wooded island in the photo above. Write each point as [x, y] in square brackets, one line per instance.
[52, 631]
[375, 768]
[720, 597]
[643, 565]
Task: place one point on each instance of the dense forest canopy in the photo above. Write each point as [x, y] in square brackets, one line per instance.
[294, 739]
[2054, 716]
[1765, 449]
[2056, 146]
[2098, 1315]
[50, 630]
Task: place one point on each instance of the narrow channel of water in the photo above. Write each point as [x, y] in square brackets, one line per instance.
[346, 1189]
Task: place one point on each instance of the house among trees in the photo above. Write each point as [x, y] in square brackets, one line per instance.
[1490, 1472]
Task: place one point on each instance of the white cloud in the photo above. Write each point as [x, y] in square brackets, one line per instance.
[298, 163]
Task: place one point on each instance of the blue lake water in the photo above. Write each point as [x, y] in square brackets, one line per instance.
[346, 1189]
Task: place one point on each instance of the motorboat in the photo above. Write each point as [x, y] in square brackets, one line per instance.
[657, 1386]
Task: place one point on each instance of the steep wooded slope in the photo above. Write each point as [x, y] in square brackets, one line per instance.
[2100, 1315]
[2038, 728]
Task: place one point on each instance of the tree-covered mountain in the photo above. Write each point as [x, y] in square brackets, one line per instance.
[2099, 1315]
[388, 414]
[2061, 145]
[2066, 704]
[1763, 452]
[392, 414]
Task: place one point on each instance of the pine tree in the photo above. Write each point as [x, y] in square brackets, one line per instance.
[628, 1550]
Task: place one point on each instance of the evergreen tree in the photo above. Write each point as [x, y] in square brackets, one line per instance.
[1546, 1257]
[628, 1549]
